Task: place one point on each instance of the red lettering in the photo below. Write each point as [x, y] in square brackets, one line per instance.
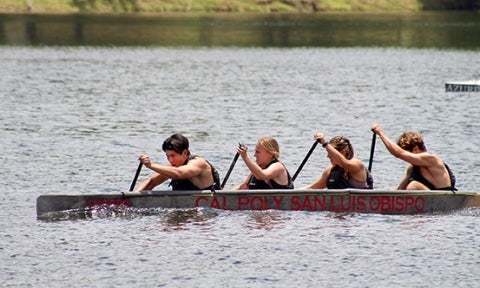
[374, 203]
[345, 203]
[295, 203]
[396, 203]
[409, 201]
[360, 203]
[215, 203]
[242, 202]
[319, 202]
[260, 202]
[306, 205]
[399, 204]
[225, 207]
[420, 203]
[278, 201]
[332, 203]
[108, 202]
[265, 202]
[385, 203]
[197, 201]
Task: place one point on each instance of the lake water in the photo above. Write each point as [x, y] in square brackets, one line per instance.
[74, 119]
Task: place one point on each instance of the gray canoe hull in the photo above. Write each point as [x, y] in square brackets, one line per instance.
[348, 200]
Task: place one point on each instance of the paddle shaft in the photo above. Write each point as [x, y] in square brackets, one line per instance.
[305, 160]
[136, 176]
[235, 158]
[372, 150]
[229, 170]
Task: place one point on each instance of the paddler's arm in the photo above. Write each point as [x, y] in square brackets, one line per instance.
[404, 182]
[353, 166]
[244, 184]
[320, 183]
[419, 159]
[191, 169]
[268, 173]
[151, 182]
[391, 146]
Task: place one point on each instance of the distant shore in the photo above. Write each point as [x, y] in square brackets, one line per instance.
[206, 6]
[230, 6]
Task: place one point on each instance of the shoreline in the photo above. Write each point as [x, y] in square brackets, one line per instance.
[158, 7]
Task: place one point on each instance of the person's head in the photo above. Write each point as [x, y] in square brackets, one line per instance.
[266, 150]
[176, 149]
[342, 145]
[409, 140]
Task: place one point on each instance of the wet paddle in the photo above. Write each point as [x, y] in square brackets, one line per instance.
[305, 160]
[231, 167]
[372, 150]
[136, 176]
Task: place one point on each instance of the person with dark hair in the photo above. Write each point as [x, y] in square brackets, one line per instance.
[266, 172]
[426, 171]
[187, 171]
[345, 171]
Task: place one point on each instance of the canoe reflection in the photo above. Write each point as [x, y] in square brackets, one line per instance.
[178, 219]
[266, 220]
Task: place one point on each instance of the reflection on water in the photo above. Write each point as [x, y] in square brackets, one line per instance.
[439, 29]
[98, 212]
[172, 219]
[342, 216]
[266, 220]
[177, 219]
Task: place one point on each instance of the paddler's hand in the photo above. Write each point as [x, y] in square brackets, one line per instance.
[377, 129]
[145, 159]
[319, 137]
[242, 151]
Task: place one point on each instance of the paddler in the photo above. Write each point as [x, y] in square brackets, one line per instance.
[426, 171]
[187, 171]
[345, 170]
[267, 171]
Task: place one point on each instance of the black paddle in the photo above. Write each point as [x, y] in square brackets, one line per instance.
[372, 150]
[231, 167]
[136, 176]
[305, 160]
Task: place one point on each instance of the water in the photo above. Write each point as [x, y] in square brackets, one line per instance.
[74, 119]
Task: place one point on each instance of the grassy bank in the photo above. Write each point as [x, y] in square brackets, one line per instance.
[241, 6]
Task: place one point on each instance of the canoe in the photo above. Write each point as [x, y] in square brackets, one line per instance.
[463, 86]
[345, 200]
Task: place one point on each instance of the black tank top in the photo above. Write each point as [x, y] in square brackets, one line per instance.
[255, 184]
[185, 184]
[416, 175]
[337, 180]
